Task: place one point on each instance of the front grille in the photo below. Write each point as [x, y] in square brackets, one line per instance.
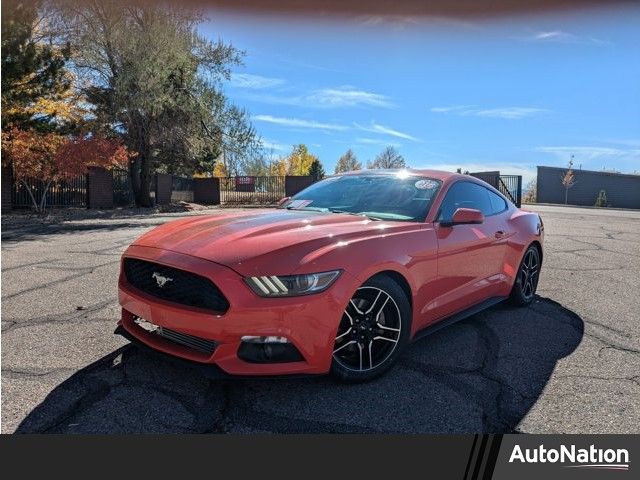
[190, 341]
[174, 285]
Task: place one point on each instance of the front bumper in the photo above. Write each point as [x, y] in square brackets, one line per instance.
[309, 322]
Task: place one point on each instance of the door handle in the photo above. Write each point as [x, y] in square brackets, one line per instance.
[499, 234]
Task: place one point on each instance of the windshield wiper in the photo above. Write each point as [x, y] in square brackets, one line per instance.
[359, 214]
[312, 209]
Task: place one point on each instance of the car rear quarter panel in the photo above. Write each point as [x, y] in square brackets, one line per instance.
[527, 229]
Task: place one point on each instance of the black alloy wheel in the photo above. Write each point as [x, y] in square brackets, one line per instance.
[526, 283]
[373, 328]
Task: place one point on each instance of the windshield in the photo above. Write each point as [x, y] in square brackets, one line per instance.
[381, 197]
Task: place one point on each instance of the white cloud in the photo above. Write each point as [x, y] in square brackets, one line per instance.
[401, 22]
[255, 82]
[510, 113]
[271, 99]
[452, 108]
[376, 141]
[334, 97]
[588, 153]
[298, 123]
[381, 129]
[347, 96]
[555, 36]
[507, 113]
[397, 22]
[627, 142]
[560, 36]
[270, 145]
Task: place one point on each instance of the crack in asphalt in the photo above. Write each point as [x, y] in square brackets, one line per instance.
[633, 379]
[485, 373]
[612, 346]
[74, 317]
[489, 402]
[24, 265]
[16, 372]
[616, 331]
[498, 400]
[47, 284]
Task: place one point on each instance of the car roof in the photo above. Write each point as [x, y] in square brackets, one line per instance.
[437, 174]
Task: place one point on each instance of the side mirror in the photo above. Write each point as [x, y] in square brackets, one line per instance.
[283, 200]
[464, 216]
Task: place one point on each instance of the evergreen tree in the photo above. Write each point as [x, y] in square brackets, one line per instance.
[316, 170]
[601, 199]
[35, 83]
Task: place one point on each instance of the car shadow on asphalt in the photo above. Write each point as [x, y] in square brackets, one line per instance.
[481, 375]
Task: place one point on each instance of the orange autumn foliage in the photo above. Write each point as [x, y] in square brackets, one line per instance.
[74, 156]
[31, 154]
[51, 157]
[220, 170]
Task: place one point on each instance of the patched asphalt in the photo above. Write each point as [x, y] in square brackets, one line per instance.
[570, 363]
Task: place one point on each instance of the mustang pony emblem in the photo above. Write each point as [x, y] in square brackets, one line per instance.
[161, 280]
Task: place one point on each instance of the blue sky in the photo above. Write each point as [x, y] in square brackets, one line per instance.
[481, 95]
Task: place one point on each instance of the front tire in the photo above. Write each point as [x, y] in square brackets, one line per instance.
[373, 331]
[526, 283]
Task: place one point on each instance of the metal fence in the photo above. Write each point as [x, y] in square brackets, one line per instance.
[182, 189]
[511, 187]
[251, 190]
[65, 193]
[122, 191]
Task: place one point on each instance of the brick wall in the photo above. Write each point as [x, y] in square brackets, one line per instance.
[206, 191]
[99, 188]
[164, 184]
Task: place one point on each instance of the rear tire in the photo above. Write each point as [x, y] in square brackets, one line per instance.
[373, 331]
[524, 288]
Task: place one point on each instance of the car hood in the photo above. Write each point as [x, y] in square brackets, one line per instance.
[277, 242]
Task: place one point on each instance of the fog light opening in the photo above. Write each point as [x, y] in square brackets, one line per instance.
[268, 349]
[271, 339]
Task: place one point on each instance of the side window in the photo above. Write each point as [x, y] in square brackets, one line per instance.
[498, 204]
[465, 195]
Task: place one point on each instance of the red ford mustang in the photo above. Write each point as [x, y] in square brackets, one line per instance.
[338, 279]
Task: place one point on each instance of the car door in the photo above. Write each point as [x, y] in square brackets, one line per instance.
[470, 256]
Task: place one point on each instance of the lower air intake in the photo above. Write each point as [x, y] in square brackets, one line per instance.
[190, 341]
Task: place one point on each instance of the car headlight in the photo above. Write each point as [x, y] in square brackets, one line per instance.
[292, 285]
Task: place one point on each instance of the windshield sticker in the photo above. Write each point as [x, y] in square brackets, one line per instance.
[426, 184]
[295, 204]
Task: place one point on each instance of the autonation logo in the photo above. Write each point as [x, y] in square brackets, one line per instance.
[573, 457]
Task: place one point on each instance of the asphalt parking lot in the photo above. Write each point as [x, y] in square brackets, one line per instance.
[568, 364]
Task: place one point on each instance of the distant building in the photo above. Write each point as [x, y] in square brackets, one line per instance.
[623, 190]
